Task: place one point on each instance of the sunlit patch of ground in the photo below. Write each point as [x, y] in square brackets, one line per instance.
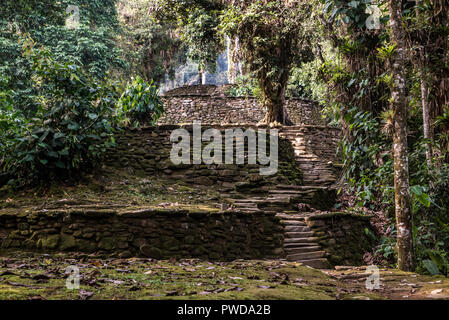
[39, 276]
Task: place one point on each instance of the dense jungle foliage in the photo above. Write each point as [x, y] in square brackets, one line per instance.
[72, 73]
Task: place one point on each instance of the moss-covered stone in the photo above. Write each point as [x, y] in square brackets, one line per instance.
[107, 243]
[48, 242]
[85, 245]
[151, 252]
[67, 242]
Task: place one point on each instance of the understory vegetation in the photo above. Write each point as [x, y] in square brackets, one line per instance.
[66, 90]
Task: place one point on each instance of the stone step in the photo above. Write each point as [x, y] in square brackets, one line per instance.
[296, 217]
[249, 209]
[296, 245]
[303, 234]
[294, 187]
[306, 255]
[303, 249]
[280, 204]
[293, 223]
[281, 198]
[303, 155]
[290, 192]
[296, 228]
[275, 199]
[290, 132]
[320, 263]
[245, 204]
[290, 212]
[251, 200]
[290, 241]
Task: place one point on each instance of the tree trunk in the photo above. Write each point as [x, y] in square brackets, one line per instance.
[238, 62]
[404, 217]
[275, 111]
[274, 99]
[231, 63]
[426, 115]
[202, 76]
[424, 93]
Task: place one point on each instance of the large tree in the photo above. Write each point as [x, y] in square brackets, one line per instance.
[273, 36]
[152, 49]
[196, 23]
[428, 39]
[399, 105]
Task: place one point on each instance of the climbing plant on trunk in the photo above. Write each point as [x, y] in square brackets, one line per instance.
[399, 106]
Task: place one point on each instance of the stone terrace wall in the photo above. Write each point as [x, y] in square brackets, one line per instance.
[146, 152]
[155, 234]
[211, 104]
[321, 141]
[342, 236]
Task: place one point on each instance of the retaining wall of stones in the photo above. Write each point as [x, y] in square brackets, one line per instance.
[148, 233]
[321, 142]
[343, 236]
[212, 104]
[146, 151]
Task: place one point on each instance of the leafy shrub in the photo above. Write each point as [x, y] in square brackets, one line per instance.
[245, 86]
[141, 103]
[71, 127]
[431, 216]
[387, 248]
[11, 121]
[367, 161]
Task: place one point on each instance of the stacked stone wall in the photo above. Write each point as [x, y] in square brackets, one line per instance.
[345, 237]
[148, 233]
[146, 152]
[212, 104]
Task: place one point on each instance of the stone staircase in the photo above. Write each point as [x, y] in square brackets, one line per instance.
[287, 197]
[316, 171]
[300, 244]
[319, 176]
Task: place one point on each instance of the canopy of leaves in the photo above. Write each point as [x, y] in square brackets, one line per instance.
[91, 44]
[196, 22]
[274, 36]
